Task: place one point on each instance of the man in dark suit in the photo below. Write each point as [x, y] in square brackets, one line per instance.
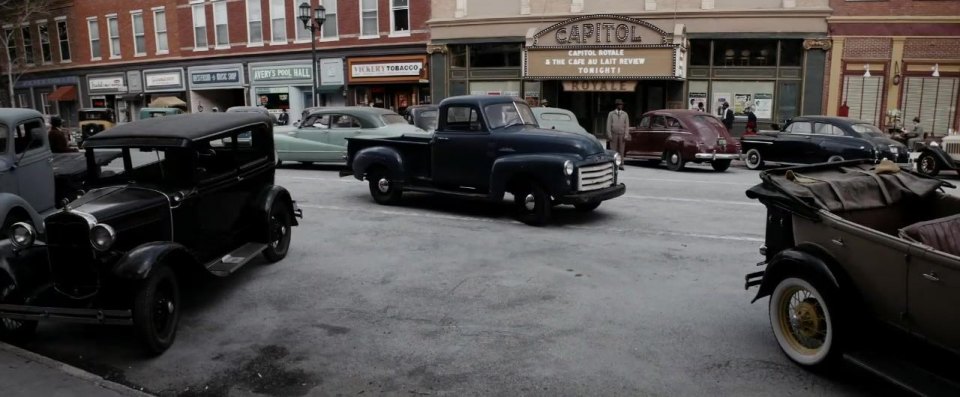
[727, 116]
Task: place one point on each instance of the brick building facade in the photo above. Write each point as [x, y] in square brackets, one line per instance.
[894, 60]
[221, 53]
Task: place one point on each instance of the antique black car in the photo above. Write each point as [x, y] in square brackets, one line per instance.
[937, 156]
[817, 139]
[189, 198]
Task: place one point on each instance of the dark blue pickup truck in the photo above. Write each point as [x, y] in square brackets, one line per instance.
[484, 147]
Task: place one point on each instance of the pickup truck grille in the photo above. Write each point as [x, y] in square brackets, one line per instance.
[595, 177]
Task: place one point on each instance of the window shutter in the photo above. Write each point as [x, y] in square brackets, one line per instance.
[933, 99]
[863, 96]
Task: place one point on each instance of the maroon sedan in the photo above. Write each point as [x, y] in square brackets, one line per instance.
[682, 136]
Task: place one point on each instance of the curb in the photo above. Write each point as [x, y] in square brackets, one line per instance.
[72, 371]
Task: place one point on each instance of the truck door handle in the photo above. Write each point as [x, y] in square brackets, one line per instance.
[838, 241]
[442, 138]
[932, 276]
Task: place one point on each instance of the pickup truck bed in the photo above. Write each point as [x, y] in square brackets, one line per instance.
[415, 151]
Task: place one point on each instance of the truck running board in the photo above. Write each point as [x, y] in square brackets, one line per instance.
[455, 193]
[910, 377]
[229, 263]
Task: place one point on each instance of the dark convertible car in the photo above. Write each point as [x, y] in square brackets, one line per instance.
[817, 139]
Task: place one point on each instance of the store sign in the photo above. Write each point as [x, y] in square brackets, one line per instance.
[331, 72]
[110, 83]
[600, 63]
[281, 73]
[225, 77]
[603, 30]
[392, 69]
[168, 79]
[51, 81]
[599, 85]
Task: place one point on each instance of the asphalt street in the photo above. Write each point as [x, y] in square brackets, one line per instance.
[444, 297]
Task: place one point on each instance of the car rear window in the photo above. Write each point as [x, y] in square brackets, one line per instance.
[708, 120]
[393, 119]
[556, 116]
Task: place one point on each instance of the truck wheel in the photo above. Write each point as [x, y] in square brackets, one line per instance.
[675, 161]
[805, 316]
[753, 159]
[927, 165]
[532, 205]
[280, 233]
[156, 310]
[720, 165]
[587, 207]
[14, 330]
[383, 190]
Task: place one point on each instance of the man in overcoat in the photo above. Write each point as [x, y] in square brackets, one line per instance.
[618, 123]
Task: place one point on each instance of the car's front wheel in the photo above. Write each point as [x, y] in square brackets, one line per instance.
[156, 310]
[675, 161]
[384, 190]
[720, 165]
[532, 205]
[753, 159]
[13, 330]
[804, 316]
[927, 165]
[280, 233]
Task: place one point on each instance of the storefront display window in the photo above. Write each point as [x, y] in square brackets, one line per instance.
[933, 99]
[507, 88]
[494, 55]
[745, 52]
[791, 52]
[741, 95]
[700, 52]
[458, 56]
[273, 97]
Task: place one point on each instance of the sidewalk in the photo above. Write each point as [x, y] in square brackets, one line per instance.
[23, 373]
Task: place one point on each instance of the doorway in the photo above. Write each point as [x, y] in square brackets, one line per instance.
[591, 108]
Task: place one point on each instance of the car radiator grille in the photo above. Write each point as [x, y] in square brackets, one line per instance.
[952, 147]
[595, 177]
[72, 260]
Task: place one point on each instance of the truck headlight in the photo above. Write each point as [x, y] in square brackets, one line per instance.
[568, 168]
[934, 144]
[617, 160]
[22, 235]
[102, 237]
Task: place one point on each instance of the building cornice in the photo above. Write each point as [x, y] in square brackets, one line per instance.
[705, 14]
[894, 19]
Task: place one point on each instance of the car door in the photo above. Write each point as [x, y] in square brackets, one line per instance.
[829, 141]
[461, 156]
[33, 165]
[342, 126]
[660, 131]
[308, 141]
[795, 145]
[639, 138]
[933, 291]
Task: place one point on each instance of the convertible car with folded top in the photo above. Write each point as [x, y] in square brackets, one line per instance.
[852, 248]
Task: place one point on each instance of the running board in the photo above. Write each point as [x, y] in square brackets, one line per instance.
[229, 263]
[908, 376]
[454, 193]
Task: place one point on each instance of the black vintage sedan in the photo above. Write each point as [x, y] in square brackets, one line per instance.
[194, 195]
[817, 139]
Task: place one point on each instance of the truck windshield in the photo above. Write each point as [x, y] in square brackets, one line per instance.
[503, 115]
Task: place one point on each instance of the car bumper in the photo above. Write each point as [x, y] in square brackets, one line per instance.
[70, 315]
[593, 196]
[717, 156]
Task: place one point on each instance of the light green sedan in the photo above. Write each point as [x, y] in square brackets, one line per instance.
[321, 136]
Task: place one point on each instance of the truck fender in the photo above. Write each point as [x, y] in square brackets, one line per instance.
[801, 260]
[25, 268]
[378, 156]
[265, 202]
[943, 160]
[12, 203]
[137, 263]
[545, 169]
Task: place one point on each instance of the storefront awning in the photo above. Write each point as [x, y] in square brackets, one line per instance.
[167, 102]
[66, 93]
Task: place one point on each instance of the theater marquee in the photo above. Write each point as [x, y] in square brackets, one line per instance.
[604, 47]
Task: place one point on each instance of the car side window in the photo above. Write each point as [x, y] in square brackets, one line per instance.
[24, 140]
[827, 129]
[344, 121]
[4, 132]
[318, 121]
[800, 127]
[672, 123]
[463, 118]
[659, 122]
[216, 157]
[645, 122]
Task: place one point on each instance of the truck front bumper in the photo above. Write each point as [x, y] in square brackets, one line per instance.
[70, 315]
[593, 196]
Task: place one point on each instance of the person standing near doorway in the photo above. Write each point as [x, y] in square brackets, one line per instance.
[727, 117]
[284, 118]
[618, 123]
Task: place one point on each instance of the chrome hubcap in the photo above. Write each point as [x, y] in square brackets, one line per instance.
[529, 202]
[384, 185]
[674, 158]
[753, 159]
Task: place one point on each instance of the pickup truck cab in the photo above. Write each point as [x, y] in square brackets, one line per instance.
[484, 147]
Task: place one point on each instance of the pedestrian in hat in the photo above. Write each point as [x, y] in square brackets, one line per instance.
[618, 123]
[58, 138]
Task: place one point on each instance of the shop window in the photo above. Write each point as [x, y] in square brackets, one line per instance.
[27, 45]
[220, 31]
[933, 99]
[400, 16]
[791, 52]
[139, 36]
[254, 22]
[744, 52]
[64, 40]
[330, 26]
[113, 31]
[458, 55]
[458, 87]
[505, 88]
[700, 52]
[45, 51]
[278, 22]
[368, 19]
[494, 55]
[863, 96]
[740, 95]
[160, 31]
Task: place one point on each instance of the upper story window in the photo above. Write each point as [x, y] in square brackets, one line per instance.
[113, 30]
[199, 27]
[139, 36]
[94, 29]
[221, 32]
[46, 52]
[302, 33]
[278, 22]
[10, 36]
[254, 22]
[368, 19]
[64, 40]
[160, 30]
[27, 45]
[400, 16]
[330, 26]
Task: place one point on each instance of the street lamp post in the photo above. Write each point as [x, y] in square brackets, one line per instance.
[314, 24]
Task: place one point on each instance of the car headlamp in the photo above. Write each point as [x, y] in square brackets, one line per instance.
[102, 237]
[568, 168]
[617, 160]
[934, 144]
[22, 235]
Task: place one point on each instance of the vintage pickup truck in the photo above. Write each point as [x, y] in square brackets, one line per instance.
[484, 147]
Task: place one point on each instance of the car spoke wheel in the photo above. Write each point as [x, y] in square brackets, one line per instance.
[280, 233]
[927, 165]
[753, 159]
[532, 205]
[803, 318]
[384, 190]
[675, 161]
[720, 165]
[12, 330]
[156, 310]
